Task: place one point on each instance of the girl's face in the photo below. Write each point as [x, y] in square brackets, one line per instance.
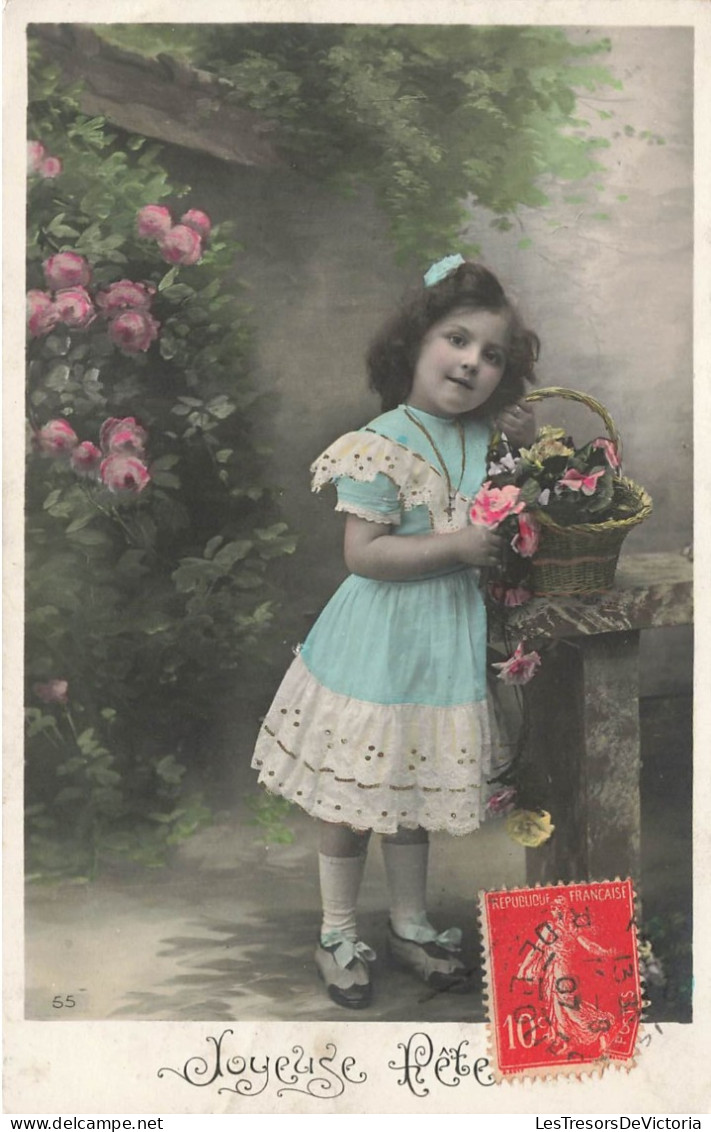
[461, 361]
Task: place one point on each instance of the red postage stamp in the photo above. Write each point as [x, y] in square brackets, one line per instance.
[563, 977]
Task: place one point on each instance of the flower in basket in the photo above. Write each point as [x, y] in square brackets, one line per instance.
[520, 667]
[577, 481]
[611, 454]
[529, 827]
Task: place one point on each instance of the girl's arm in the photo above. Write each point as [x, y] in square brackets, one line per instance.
[373, 552]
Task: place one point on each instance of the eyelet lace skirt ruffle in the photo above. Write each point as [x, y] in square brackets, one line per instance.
[375, 766]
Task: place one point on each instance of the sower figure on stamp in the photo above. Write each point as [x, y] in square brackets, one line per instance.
[381, 723]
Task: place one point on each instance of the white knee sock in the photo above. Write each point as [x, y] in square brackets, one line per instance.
[406, 870]
[340, 881]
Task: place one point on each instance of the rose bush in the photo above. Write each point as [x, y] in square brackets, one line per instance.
[150, 529]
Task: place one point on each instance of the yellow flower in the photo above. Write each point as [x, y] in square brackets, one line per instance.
[529, 827]
[545, 447]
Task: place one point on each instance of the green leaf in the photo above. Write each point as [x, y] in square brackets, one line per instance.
[212, 546]
[233, 552]
[167, 279]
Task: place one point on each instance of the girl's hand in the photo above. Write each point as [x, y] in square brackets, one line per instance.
[479, 546]
[518, 421]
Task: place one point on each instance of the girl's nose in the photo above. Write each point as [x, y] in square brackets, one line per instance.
[471, 362]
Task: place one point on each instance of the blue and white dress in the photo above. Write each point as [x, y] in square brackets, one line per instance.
[382, 719]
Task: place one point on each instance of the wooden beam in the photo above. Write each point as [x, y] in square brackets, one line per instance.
[160, 98]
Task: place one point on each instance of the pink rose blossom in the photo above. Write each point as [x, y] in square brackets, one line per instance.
[74, 306]
[56, 438]
[519, 668]
[577, 481]
[510, 596]
[50, 167]
[120, 472]
[198, 220]
[35, 156]
[66, 269]
[85, 458]
[42, 315]
[125, 295]
[123, 435]
[181, 245]
[53, 692]
[494, 504]
[502, 802]
[525, 541]
[133, 330]
[611, 453]
[153, 220]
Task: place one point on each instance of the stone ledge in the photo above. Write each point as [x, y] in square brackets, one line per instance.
[651, 591]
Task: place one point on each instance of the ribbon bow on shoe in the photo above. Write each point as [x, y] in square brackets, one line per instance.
[343, 965]
[432, 956]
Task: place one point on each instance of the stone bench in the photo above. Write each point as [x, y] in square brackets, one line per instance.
[584, 712]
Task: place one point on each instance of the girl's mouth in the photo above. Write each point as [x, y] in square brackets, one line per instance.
[461, 381]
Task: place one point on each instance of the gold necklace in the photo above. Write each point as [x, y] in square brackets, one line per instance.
[452, 492]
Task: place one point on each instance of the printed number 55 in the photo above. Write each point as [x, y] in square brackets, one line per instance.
[61, 1000]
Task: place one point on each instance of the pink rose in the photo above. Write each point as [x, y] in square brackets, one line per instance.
[494, 504]
[56, 438]
[502, 802]
[85, 458]
[525, 541]
[42, 315]
[125, 295]
[35, 156]
[519, 668]
[123, 435]
[153, 220]
[198, 220]
[611, 453]
[124, 473]
[74, 306]
[181, 245]
[510, 596]
[577, 481]
[133, 330]
[50, 167]
[53, 692]
[66, 269]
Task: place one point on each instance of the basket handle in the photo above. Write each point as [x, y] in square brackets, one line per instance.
[584, 399]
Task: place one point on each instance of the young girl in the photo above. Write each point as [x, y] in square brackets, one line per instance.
[381, 722]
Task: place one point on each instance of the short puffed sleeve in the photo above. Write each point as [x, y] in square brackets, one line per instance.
[375, 500]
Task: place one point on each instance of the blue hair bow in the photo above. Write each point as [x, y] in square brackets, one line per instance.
[442, 269]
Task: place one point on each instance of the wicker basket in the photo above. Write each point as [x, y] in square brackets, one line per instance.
[582, 558]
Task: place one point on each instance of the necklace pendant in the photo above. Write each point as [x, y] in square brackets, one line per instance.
[450, 508]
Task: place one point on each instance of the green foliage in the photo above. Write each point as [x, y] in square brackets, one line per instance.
[151, 604]
[430, 116]
[270, 812]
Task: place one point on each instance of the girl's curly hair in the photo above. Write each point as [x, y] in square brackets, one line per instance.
[393, 353]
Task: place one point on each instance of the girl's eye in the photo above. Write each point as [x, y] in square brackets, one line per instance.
[494, 357]
[457, 340]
